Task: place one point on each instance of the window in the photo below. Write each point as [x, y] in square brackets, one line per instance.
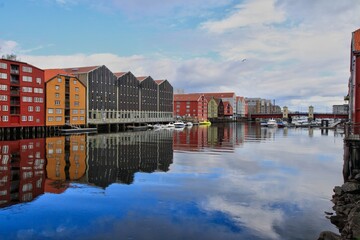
[30, 108]
[37, 109]
[3, 65]
[82, 111]
[58, 119]
[59, 79]
[57, 87]
[30, 118]
[27, 69]
[3, 76]
[57, 102]
[5, 108]
[76, 104]
[3, 87]
[75, 118]
[23, 118]
[57, 95]
[38, 80]
[3, 98]
[50, 110]
[82, 118]
[50, 119]
[75, 81]
[27, 79]
[76, 96]
[27, 99]
[76, 89]
[5, 118]
[58, 111]
[75, 111]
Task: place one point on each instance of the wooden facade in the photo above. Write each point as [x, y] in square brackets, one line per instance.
[22, 94]
[65, 99]
[191, 105]
[148, 94]
[128, 92]
[212, 108]
[165, 96]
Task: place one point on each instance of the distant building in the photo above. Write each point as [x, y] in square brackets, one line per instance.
[225, 96]
[165, 98]
[240, 107]
[259, 105]
[192, 105]
[22, 95]
[212, 108]
[228, 109]
[341, 109]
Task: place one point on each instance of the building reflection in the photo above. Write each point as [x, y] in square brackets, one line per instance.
[66, 161]
[117, 157]
[22, 170]
[219, 136]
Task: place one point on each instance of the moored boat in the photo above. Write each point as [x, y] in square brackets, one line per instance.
[189, 124]
[271, 123]
[179, 124]
[205, 123]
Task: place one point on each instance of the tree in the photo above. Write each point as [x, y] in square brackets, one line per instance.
[11, 56]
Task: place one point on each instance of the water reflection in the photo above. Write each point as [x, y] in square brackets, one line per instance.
[117, 157]
[22, 171]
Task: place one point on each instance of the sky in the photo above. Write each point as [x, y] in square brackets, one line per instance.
[296, 53]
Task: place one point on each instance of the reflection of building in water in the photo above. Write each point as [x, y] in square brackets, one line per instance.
[22, 174]
[117, 157]
[217, 136]
[66, 160]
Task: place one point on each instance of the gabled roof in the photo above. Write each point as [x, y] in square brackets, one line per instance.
[51, 73]
[221, 94]
[187, 97]
[159, 81]
[120, 74]
[142, 78]
[226, 104]
[78, 70]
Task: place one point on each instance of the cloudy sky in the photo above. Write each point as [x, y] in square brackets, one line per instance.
[293, 52]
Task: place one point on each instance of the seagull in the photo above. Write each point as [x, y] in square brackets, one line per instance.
[243, 60]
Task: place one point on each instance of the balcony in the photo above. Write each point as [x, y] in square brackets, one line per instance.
[14, 82]
[14, 71]
[15, 92]
[15, 102]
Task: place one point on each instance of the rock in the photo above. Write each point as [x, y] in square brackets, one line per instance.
[337, 190]
[357, 177]
[327, 235]
[350, 187]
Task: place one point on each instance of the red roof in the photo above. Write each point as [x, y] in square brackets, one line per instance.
[120, 74]
[220, 95]
[159, 81]
[187, 97]
[77, 70]
[51, 73]
[142, 78]
[356, 41]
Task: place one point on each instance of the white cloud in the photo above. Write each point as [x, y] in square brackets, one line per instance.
[255, 12]
[8, 47]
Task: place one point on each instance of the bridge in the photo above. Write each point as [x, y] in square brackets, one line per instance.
[298, 114]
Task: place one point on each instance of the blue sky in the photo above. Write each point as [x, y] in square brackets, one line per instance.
[296, 52]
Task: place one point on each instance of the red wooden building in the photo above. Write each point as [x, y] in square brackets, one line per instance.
[22, 95]
[191, 105]
[228, 109]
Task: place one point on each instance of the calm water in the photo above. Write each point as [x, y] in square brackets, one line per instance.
[232, 181]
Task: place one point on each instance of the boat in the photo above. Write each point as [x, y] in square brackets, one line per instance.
[179, 124]
[189, 124]
[263, 124]
[157, 126]
[78, 130]
[281, 124]
[170, 125]
[205, 123]
[271, 123]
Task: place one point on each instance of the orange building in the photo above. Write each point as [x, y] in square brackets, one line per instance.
[65, 99]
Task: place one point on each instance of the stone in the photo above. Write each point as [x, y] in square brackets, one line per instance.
[357, 177]
[350, 187]
[337, 190]
[327, 235]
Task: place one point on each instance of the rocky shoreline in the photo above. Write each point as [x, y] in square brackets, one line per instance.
[346, 201]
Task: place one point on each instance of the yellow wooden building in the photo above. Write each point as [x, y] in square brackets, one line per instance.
[65, 99]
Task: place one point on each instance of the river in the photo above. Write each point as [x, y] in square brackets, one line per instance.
[226, 181]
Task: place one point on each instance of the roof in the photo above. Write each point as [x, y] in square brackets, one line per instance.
[159, 81]
[142, 78]
[220, 94]
[120, 74]
[77, 70]
[226, 103]
[187, 97]
[19, 62]
[51, 73]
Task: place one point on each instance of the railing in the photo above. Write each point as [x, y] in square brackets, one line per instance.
[99, 117]
[14, 103]
[14, 71]
[17, 82]
[15, 92]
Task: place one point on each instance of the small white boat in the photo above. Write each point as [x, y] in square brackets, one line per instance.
[271, 123]
[157, 126]
[170, 125]
[189, 124]
[179, 124]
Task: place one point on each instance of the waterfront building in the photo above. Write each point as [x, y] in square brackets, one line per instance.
[228, 110]
[240, 106]
[225, 96]
[128, 92]
[354, 80]
[220, 104]
[22, 95]
[212, 108]
[65, 99]
[192, 105]
[148, 94]
[165, 98]
[101, 93]
[341, 109]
